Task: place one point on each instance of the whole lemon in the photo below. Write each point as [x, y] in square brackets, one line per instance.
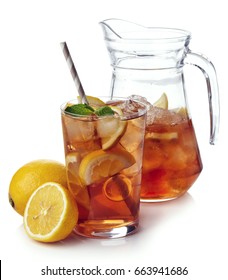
[30, 176]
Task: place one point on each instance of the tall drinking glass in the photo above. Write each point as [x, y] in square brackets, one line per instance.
[104, 162]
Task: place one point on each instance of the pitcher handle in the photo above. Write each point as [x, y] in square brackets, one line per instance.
[208, 69]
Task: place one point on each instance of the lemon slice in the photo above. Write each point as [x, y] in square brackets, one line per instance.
[111, 129]
[162, 102]
[94, 101]
[102, 164]
[75, 185]
[181, 111]
[117, 188]
[73, 158]
[51, 213]
[72, 165]
[117, 110]
[162, 136]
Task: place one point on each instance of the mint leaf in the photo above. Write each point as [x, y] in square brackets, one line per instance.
[104, 111]
[80, 109]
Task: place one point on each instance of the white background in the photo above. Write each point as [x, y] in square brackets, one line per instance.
[34, 80]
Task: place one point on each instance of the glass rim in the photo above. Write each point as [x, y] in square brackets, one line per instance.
[132, 115]
[177, 36]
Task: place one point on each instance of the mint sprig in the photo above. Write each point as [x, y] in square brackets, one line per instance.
[85, 110]
[80, 109]
[104, 111]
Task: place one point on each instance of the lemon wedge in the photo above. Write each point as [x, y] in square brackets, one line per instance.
[75, 185]
[181, 111]
[93, 101]
[162, 102]
[102, 164]
[162, 136]
[117, 188]
[111, 129]
[72, 166]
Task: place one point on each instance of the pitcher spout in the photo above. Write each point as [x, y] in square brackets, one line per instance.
[110, 29]
[130, 42]
[121, 29]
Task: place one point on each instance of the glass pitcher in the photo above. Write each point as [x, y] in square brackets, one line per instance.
[148, 65]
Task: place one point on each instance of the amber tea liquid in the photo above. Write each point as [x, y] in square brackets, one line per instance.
[171, 161]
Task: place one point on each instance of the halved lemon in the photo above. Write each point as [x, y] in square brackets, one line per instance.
[111, 129]
[162, 102]
[102, 164]
[51, 213]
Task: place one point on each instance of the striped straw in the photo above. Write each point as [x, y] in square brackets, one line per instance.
[74, 72]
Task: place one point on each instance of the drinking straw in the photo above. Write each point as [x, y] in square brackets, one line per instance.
[132, 206]
[74, 72]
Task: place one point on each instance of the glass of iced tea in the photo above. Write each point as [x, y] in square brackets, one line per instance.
[103, 144]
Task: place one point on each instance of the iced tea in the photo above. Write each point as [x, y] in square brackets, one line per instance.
[104, 164]
[171, 161]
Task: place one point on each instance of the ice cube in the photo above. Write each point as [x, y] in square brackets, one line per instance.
[140, 99]
[130, 107]
[133, 137]
[162, 116]
[177, 159]
[78, 130]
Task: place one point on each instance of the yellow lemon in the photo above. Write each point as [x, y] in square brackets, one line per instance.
[30, 176]
[51, 213]
[102, 164]
[111, 129]
[162, 102]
